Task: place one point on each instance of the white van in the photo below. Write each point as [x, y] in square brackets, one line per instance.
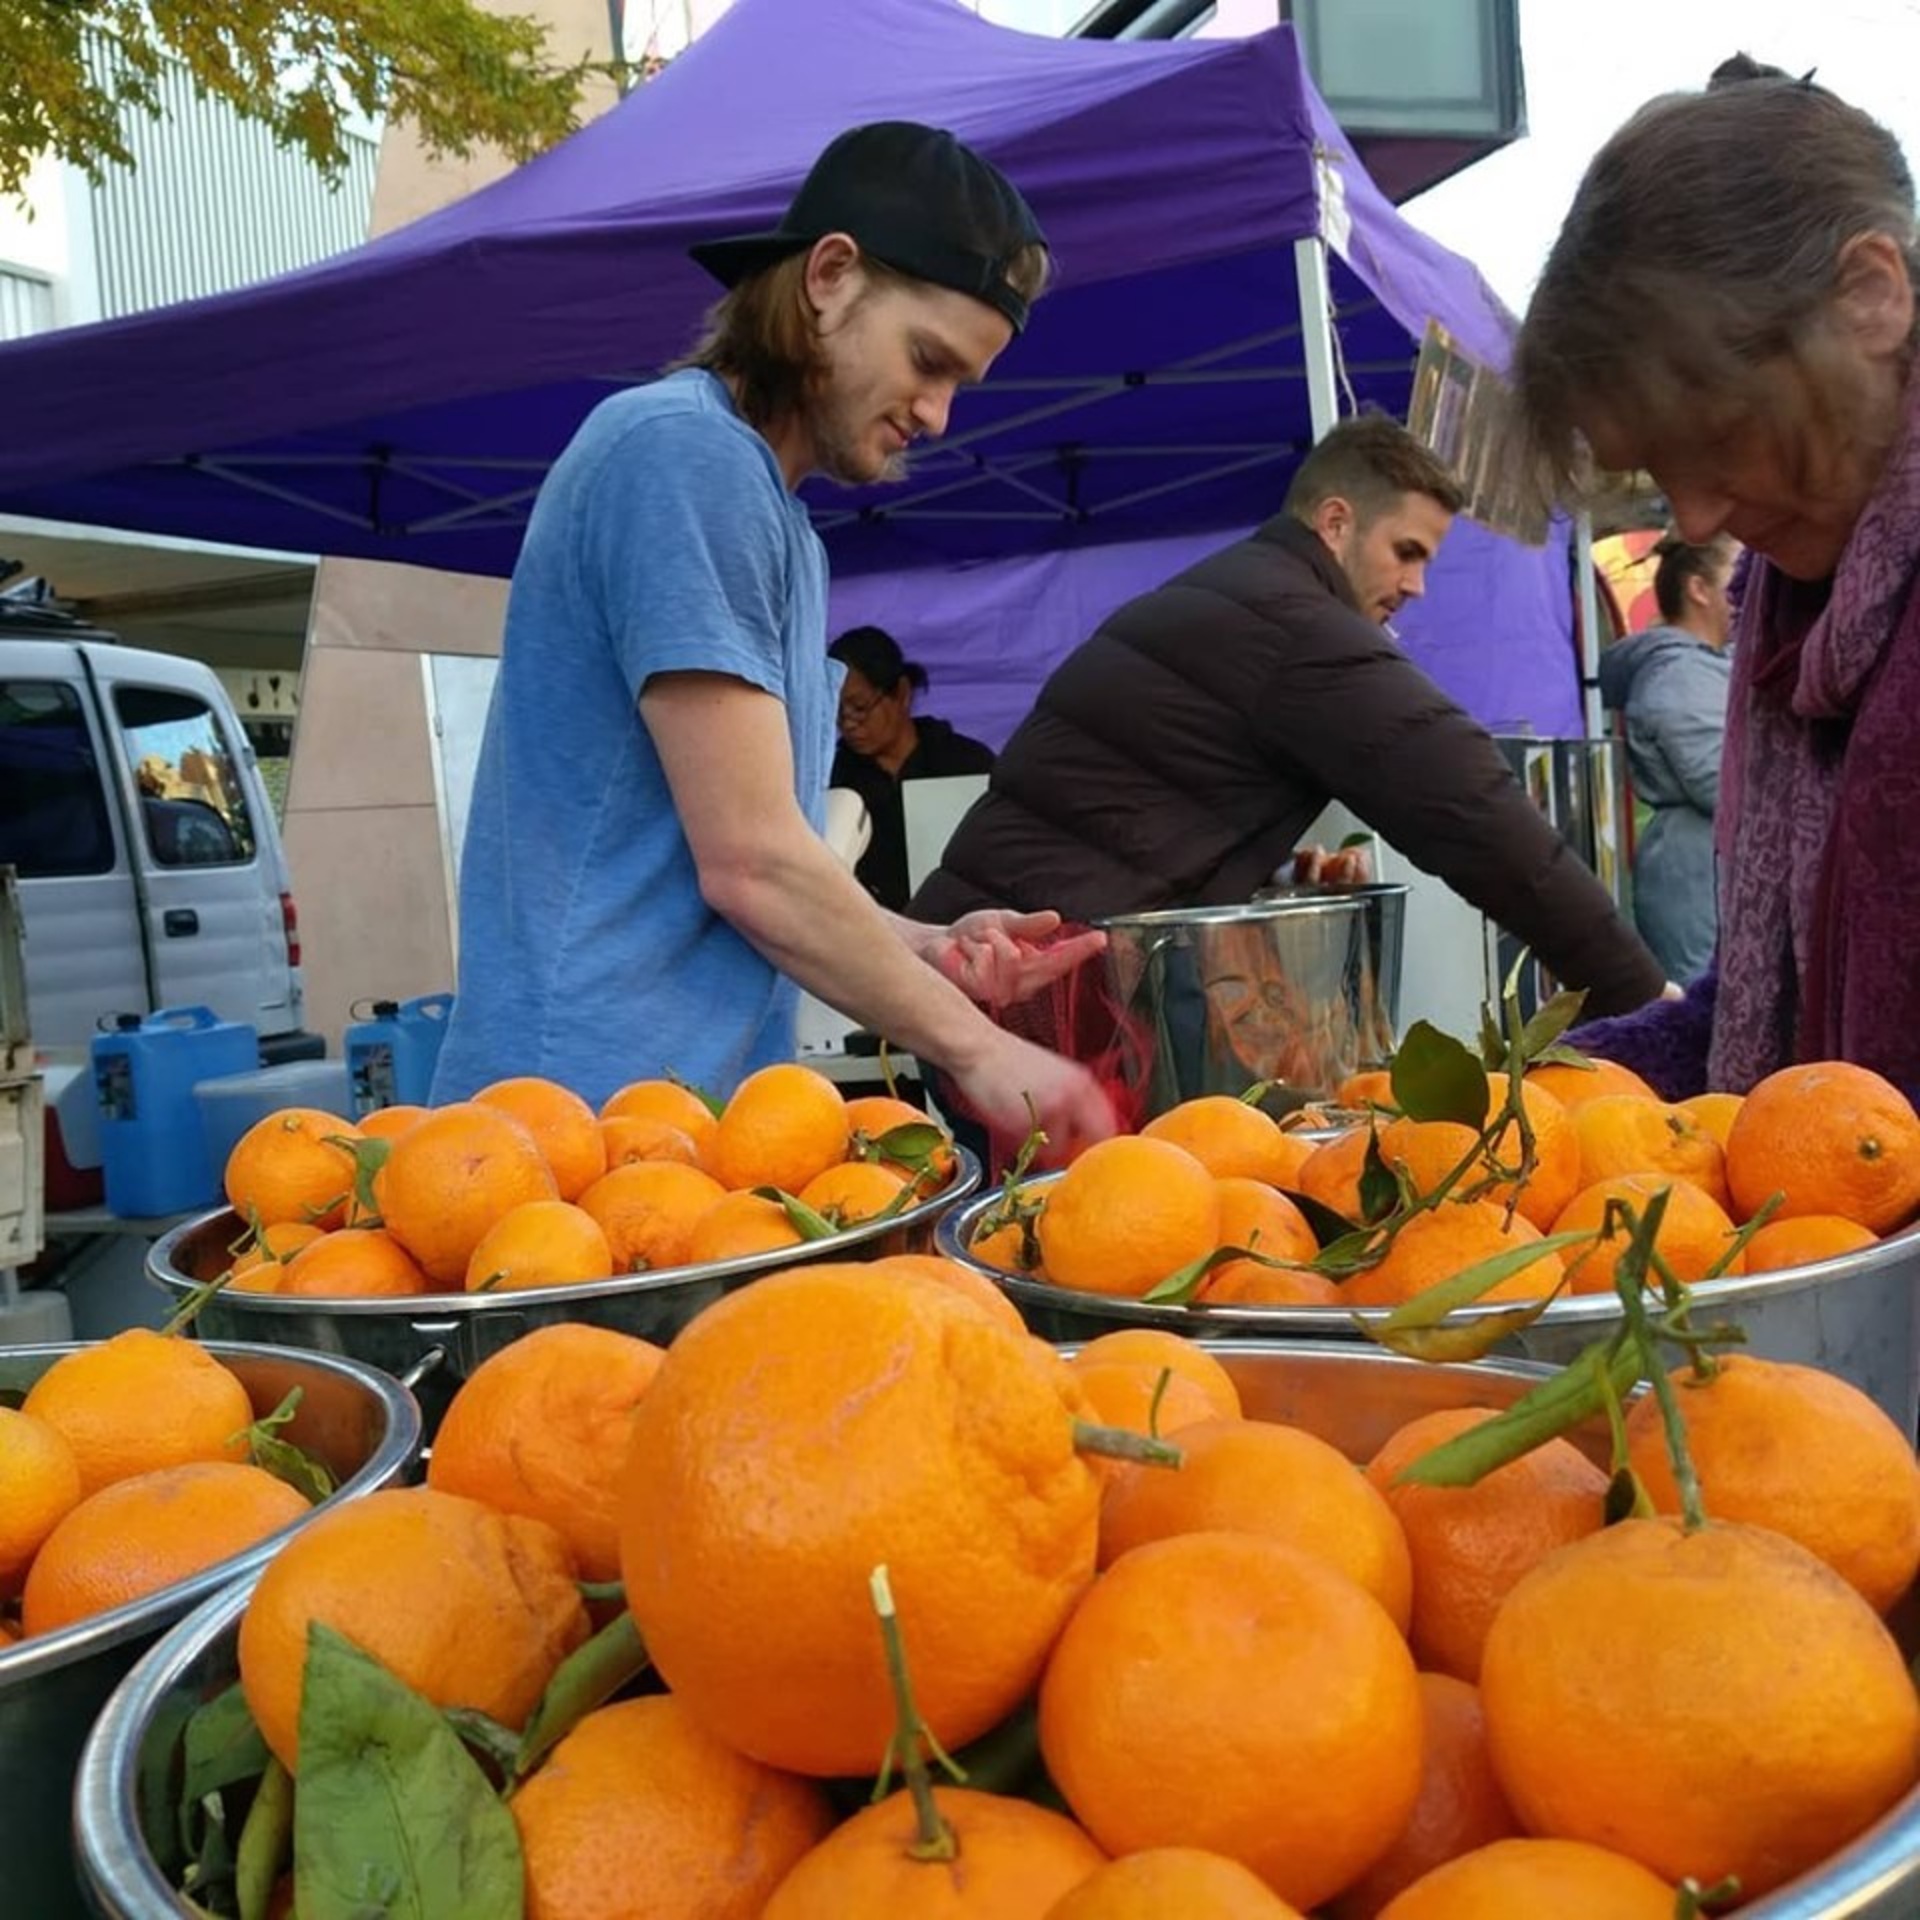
[150, 867]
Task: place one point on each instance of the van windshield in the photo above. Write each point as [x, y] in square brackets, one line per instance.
[53, 808]
[192, 803]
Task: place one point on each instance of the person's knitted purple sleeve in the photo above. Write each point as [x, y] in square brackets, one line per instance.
[1664, 1042]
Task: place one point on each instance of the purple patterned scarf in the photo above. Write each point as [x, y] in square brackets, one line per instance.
[1819, 815]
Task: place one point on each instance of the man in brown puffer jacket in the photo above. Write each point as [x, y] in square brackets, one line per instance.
[1175, 758]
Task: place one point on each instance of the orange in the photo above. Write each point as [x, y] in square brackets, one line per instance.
[469, 1607]
[141, 1534]
[539, 1243]
[783, 1125]
[632, 1137]
[1447, 1240]
[1154, 1347]
[1460, 1808]
[1431, 1150]
[1713, 1113]
[1832, 1138]
[1694, 1230]
[40, 1481]
[1471, 1545]
[389, 1123]
[854, 1191]
[1229, 1138]
[1764, 1718]
[541, 1429]
[447, 1180]
[140, 1401]
[670, 1103]
[1803, 1241]
[1219, 1690]
[640, 1811]
[256, 1268]
[291, 1166]
[1246, 1283]
[1166, 1881]
[353, 1263]
[1624, 1134]
[564, 1128]
[1253, 1215]
[822, 1422]
[1014, 1860]
[961, 1280]
[1798, 1450]
[739, 1224]
[1373, 1088]
[1253, 1476]
[1575, 1086]
[1331, 1172]
[1142, 1398]
[875, 1115]
[648, 1212]
[1563, 1878]
[1126, 1214]
[1012, 1247]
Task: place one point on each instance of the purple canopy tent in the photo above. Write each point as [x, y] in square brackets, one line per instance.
[401, 401]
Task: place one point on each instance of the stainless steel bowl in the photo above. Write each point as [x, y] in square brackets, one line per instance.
[451, 1333]
[1854, 1315]
[365, 1427]
[1352, 1396]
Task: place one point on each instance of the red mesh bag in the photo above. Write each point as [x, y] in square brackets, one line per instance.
[1078, 1015]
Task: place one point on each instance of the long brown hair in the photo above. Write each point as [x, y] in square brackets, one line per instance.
[1698, 259]
[763, 339]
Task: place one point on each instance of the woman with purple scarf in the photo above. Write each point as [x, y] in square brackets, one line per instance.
[1730, 307]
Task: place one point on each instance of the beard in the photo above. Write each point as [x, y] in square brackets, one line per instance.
[843, 454]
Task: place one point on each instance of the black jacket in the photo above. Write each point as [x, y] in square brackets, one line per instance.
[1175, 758]
[940, 750]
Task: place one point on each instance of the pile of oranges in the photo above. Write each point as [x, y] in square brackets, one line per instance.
[126, 1469]
[525, 1185]
[1259, 1685]
[1830, 1152]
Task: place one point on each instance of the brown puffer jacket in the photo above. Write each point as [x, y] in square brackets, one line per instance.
[1175, 758]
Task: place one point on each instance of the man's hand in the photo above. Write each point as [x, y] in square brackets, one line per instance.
[1072, 1108]
[1346, 867]
[991, 956]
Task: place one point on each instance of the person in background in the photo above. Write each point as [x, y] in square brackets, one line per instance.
[645, 888]
[883, 742]
[1175, 758]
[1669, 683]
[1730, 307]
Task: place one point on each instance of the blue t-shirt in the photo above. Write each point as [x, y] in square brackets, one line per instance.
[664, 539]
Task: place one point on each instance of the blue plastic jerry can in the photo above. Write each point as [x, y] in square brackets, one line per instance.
[153, 1150]
[392, 1053]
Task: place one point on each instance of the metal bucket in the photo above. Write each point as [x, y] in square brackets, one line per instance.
[366, 1428]
[1854, 1315]
[1353, 1397]
[451, 1333]
[1300, 988]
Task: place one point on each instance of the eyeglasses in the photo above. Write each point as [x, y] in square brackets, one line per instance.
[856, 713]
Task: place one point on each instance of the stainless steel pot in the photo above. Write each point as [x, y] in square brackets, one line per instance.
[1854, 1315]
[1352, 1396]
[1300, 987]
[365, 1427]
[451, 1333]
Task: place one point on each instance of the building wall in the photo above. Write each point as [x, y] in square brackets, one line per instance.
[364, 828]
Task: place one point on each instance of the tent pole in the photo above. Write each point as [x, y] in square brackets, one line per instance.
[1588, 592]
[1316, 333]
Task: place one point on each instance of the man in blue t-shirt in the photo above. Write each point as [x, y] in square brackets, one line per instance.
[644, 888]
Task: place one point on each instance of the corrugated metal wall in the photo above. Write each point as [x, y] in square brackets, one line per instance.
[211, 203]
[26, 303]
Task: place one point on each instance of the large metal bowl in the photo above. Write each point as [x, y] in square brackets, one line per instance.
[1855, 1315]
[365, 1427]
[1352, 1396]
[451, 1333]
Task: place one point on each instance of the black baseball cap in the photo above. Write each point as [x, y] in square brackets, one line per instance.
[916, 199]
